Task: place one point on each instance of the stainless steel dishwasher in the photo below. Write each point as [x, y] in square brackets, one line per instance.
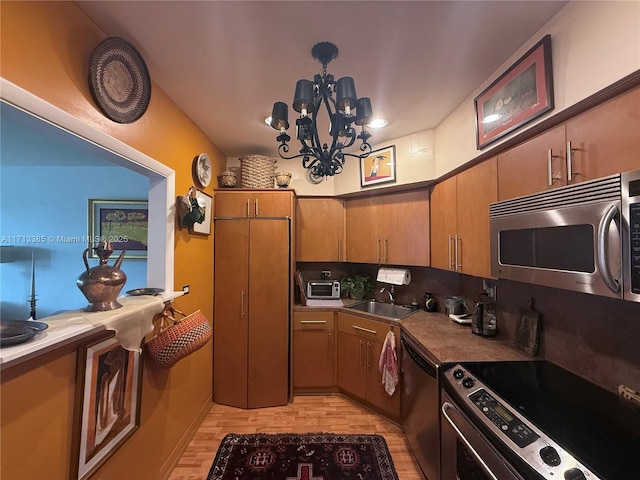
[421, 407]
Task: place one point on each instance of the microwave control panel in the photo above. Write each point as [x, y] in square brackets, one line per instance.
[634, 233]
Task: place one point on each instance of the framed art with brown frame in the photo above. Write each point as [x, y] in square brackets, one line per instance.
[519, 95]
[124, 223]
[107, 408]
[203, 228]
[378, 167]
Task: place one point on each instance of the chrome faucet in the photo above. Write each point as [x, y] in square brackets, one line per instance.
[391, 292]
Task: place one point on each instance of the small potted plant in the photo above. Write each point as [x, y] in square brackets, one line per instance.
[356, 287]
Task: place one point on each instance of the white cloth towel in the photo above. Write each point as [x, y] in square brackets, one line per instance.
[131, 323]
[388, 364]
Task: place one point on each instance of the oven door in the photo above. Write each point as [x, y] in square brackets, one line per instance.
[466, 454]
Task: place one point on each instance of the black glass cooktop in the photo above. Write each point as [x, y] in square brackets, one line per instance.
[591, 423]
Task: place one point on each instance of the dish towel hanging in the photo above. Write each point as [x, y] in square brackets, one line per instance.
[388, 364]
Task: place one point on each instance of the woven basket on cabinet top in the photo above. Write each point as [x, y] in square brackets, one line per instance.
[257, 171]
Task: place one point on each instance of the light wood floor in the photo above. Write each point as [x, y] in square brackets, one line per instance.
[334, 414]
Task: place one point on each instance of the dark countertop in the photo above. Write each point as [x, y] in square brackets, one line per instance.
[447, 341]
[442, 339]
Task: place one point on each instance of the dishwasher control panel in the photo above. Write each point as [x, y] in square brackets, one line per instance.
[539, 451]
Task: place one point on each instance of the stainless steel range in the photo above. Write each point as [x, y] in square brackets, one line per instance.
[534, 420]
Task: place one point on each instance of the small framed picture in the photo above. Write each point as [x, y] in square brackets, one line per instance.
[378, 167]
[107, 410]
[203, 228]
[124, 223]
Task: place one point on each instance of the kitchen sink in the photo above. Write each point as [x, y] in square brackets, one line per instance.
[395, 312]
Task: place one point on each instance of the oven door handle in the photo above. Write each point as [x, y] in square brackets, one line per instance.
[447, 406]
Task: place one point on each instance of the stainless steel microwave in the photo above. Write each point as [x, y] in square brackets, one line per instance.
[583, 237]
[323, 289]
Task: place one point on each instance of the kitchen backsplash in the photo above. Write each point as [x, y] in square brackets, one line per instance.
[595, 337]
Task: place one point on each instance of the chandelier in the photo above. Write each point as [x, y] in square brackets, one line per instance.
[319, 158]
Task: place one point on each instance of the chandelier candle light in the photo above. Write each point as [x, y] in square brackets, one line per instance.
[320, 159]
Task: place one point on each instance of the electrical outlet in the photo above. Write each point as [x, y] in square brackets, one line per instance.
[489, 289]
[326, 273]
[186, 289]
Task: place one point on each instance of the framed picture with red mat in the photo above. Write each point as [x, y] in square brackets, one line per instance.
[307, 456]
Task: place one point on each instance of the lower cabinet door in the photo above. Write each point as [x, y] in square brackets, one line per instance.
[376, 393]
[351, 364]
[314, 363]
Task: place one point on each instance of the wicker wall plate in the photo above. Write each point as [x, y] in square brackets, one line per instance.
[119, 80]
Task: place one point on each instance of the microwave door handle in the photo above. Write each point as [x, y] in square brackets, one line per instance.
[601, 251]
[447, 406]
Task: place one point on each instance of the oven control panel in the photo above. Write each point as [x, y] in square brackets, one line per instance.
[542, 454]
[502, 418]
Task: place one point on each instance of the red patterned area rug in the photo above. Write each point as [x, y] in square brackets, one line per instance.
[309, 456]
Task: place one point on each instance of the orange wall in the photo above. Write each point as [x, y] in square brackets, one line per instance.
[45, 49]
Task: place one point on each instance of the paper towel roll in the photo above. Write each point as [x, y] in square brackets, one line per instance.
[394, 276]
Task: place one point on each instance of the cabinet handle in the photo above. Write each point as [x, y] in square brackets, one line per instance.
[378, 250]
[457, 239]
[450, 256]
[256, 207]
[368, 355]
[248, 213]
[339, 250]
[361, 354]
[386, 251]
[306, 322]
[362, 329]
[551, 177]
[242, 304]
[570, 161]
[330, 346]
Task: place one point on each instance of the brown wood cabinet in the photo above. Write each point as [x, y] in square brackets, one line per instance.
[251, 311]
[320, 230]
[460, 220]
[601, 141]
[360, 342]
[253, 203]
[314, 352]
[389, 229]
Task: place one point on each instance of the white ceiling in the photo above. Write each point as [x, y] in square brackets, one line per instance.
[224, 63]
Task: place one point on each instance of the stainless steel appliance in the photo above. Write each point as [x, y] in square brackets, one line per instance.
[583, 237]
[323, 289]
[420, 404]
[534, 420]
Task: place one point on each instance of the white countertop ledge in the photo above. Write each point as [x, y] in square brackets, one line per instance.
[131, 323]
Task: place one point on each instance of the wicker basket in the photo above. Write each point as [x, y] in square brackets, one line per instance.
[257, 171]
[180, 338]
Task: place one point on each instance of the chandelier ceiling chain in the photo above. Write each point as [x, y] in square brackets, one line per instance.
[319, 158]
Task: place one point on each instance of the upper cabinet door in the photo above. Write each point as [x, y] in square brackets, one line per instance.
[605, 139]
[363, 243]
[320, 230]
[534, 166]
[403, 221]
[476, 189]
[251, 203]
[444, 217]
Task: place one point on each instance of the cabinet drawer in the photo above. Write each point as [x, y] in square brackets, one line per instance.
[364, 327]
[313, 321]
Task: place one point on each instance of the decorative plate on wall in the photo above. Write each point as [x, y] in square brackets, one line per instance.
[119, 80]
[201, 170]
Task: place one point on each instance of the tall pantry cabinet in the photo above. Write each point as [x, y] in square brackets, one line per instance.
[252, 301]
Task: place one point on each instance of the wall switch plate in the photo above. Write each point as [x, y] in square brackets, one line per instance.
[326, 273]
[186, 289]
